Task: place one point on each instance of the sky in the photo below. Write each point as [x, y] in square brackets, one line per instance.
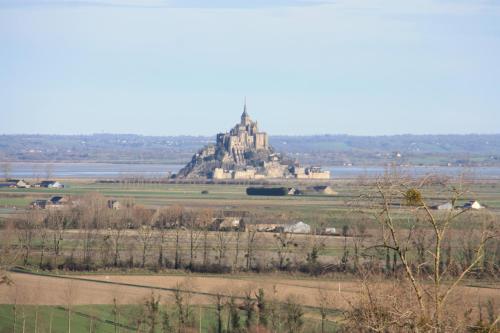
[184, 67]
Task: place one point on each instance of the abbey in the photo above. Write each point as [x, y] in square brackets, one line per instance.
[244, 153]
[242, 138]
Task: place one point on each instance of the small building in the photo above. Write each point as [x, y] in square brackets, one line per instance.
[51, 184]
[445, 206]
[268, 191]
[39, 204]
[313, 172]
[265, 227]
[330, 231]
[114, 204]
[57, 202]
[22, 184]
[473, 204]
[228, 224]
[19, 183]
[297, 228]
[8, 184]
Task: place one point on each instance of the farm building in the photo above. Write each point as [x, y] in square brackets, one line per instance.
[56, 202]
[268, 191]
[297, 228]
[22, 184]
[19, 183]
[114, 204]
[40, 204]
[50, 184]
[473, 204]
[445, 206]
[228, 224]
[330, 231]
[8, 184]
[264, 227]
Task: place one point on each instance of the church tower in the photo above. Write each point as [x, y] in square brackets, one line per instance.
[245, 118]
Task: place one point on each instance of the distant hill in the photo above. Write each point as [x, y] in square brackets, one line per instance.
[469, 150]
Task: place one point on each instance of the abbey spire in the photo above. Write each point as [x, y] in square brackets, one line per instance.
[245, 118]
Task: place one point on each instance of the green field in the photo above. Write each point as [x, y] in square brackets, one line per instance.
[102, 319]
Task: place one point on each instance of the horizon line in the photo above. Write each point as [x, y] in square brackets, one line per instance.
[271, 135]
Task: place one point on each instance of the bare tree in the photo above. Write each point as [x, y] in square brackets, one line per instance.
[251, 241]
[314, 246]
[237, 250]
[325, 303]
[219, 312]
[92, 218]
[205, 219]
[182, 301]
[192, 223]
[294, 321]
[27, 227]
[397, 193]
[358, 241]
[222, 239]
[162, 225]
[284, 245]
[43, 235]
[8, 252]
[57, 221]
[152, 312]
[174, 215]
[117, 225]
[145, 219]
[49, 171]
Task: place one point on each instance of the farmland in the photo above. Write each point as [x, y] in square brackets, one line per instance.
[104, 262]
[310, 209]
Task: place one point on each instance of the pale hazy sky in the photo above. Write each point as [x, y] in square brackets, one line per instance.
[165, 67]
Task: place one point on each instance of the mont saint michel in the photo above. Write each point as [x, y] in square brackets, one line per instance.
[245, 153]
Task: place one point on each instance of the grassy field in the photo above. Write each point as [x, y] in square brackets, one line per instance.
[101, 318]
[90, 318]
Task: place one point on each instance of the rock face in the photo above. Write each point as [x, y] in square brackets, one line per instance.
[242, 153]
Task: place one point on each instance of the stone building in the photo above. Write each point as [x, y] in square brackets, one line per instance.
[242, 137]
[310, 173]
